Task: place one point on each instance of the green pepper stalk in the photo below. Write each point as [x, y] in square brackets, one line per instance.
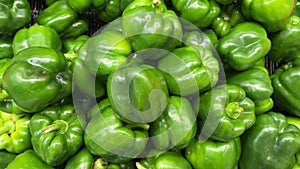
[244, 45]
[56, 134]
[233, 113]
[14, 132]
[270, 143]
[214, 154]
[14, 15]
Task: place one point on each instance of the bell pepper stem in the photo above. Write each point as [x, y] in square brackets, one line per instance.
[158, 5]
[100, 164]
[7, 127]
[3, 95]
[233, 110]
[139, 166]
[58, 125]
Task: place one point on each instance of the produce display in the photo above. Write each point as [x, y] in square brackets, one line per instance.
[150, 84]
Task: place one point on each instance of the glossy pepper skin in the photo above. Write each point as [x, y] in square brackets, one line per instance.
[270, 143]
[14, 132]
[176, 127]
[284, 43]
[262, 11]
[83, 159]
[14, 15]
[138, 93]
[244, 45]
[258, 87]
[59, 16]
[6, 50]
[105, 52]
[56, 134]
[108, 10]
[200, 13]
[189, 70]
[230, 16]
[33, 69]
[229, 111]
[105, 129]
[77, 28]
[285, 81]
[6, 158]
[167, 159]
[28, 159]
[36, 36]
[295, 121]
[149, 24]
[80, 6]
[203, 154]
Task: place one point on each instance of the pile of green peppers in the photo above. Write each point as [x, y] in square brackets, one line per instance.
[150, 84]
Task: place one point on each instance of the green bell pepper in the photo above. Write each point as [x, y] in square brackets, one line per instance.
[266, 12]
[285, 46]
[285, 81]
[14, 132]
[57, 134]
[28, 159]
[80, 6]
[206, 39]
[6, 158]
[164, 160]
[176, 127]
[36, 36]
[83, 159]
[200, 13]
[258, 87]
[73, 46]
[149, 24]
[14, 15]
[112, 139]
[33, 69]
[189, 70]
[203, 154]
[295, 121]
[244, 45]
[77, 28]
[138, 93]
[105, 52]
[6, 50]
[6, 102]
[225, 112]
[297, 9]
[230, 16]
[58, 16]
[270, 143]
[109, 10]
